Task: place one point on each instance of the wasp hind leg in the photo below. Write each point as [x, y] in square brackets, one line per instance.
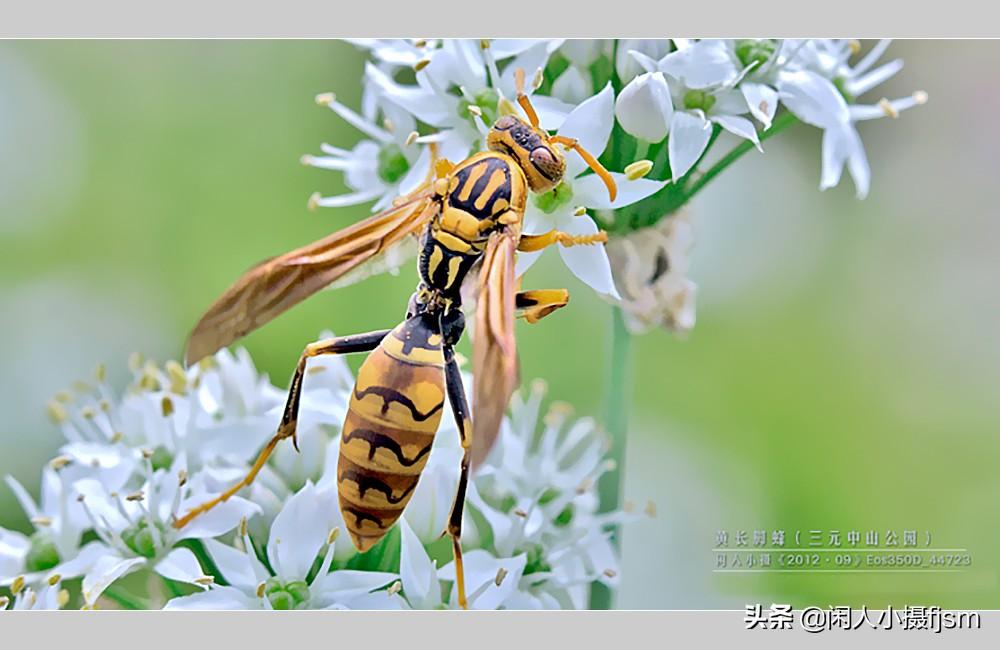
[460, 406]
[536, 304]
[289, 419]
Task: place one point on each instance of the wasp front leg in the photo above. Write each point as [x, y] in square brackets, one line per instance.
[532, 243]
[289, 419]
[460, 407]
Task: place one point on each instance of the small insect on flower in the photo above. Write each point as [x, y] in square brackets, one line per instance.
[464, 214]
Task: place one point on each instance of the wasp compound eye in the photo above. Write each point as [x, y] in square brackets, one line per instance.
[545, 161]
[505, 122]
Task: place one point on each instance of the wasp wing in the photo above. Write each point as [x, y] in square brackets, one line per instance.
[494, 352]
[277, 284]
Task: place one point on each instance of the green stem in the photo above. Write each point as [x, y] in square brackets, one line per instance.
[617, 391]
[124, 598]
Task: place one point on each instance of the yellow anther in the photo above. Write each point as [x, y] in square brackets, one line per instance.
[638, 169]
[178, 378]
[17, 585]
[334, 534]
[475, 110]
[484, 43]
[81, 387]
[62, 597]
[650, 508]
[410, 139]
[421, 64]
[243, 527]
[855, 45]
[888, 108]
[4, 601]
[260, 590]
[57, 412]
[580, 211]
[167, 407]
[313, 202]
[538, 79]
[41, 520]
[585, 485]
[388, 125]
[63, 396]
[422, 42]
[104, 405]
[134, 361]
[325, 99]
[100, 373]
[88, 412]
[394, 588]
[501, 574]
[146, 453]
[54, 579]
[204, 580]
[117, 436]
[307, 160]
[182, 478]
[539, 387]
[59, 462]
[920, 97]
[520, 513]
[611, 573]
[135, 496]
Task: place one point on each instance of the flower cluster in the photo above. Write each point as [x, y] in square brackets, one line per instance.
[650, 109]
[134, 462]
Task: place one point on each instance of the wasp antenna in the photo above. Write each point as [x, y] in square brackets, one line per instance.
[592, 162]
[522, 98]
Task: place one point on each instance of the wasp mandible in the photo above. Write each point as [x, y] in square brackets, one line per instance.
[463, 214]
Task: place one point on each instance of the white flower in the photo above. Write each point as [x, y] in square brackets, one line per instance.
[48, 595]
[59, 523]
[564, 207]
[308, 523]
[137, 530]
[650, 267]
[626, 65]
[702, 78]
[644, 107]
[808, 88]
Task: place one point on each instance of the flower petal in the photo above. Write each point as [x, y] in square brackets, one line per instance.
[762, 101]
[417, 572]
[590, 262]
[180, 564]
[591, 192]
[104, 572]
[214, 599]
[590, 123]
[481, 570]
[300, 530]
[689, 135]
[812, 98]
[740, 126]
[704, 64]
[220, 519]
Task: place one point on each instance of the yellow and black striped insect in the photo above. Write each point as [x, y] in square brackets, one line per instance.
[465, 214]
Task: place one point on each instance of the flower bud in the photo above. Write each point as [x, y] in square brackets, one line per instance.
[644, 108]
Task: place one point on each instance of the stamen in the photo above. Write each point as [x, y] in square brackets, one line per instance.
[54, 579]
[17, 585]
[611, 573]
[117, 436]
[920, 97]
[501, 574]
[410, 139]
[100, 372]
[260, 589]
[520, 513]
[167, 407]
[205, 580]
[888, 108]
[484, 43]
[638, 169]
[243, 527]
[59, 462]
[475, 110]
[421, 64]
[57, 412]
[135, 496]
[41, 520]
[394, 588]
[854, 45]
[539, 78]
[388, 125]
[62, 598]
[63, 396]
[325, 99]
[182, 478]
[334, 534]
[580, 211]
[135, 361]
[4, 601]
[178, 378]
[313, 202]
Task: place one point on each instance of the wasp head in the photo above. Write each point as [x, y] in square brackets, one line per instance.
[543, 163]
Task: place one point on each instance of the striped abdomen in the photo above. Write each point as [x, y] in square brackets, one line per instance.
[393, 415]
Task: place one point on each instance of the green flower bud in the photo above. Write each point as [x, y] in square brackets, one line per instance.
[392, 164]
[281, 600]
[698, 99]
[565, 517]
[755, 51]
[140, 539]
[42, 554]
[299, 590]
[161, 458]
[551, 201]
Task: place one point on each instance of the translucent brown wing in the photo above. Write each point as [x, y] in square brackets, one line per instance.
[275, 285]
[494, 350]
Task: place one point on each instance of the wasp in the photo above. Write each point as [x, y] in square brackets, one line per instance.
[463, 215]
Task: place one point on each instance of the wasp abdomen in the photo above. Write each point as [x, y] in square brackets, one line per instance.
[393, 415]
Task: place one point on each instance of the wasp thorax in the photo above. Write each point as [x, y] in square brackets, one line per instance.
[542, 163]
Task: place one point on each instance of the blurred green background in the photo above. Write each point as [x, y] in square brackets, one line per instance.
[843, 373]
